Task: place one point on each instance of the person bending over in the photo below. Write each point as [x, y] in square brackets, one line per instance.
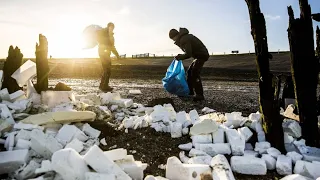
[192, 47]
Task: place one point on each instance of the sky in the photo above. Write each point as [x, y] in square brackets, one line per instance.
[141, 26]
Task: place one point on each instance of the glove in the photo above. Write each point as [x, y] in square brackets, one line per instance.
[178, 57]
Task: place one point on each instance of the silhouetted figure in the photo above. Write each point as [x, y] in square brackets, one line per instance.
[194, 48]
[106, 46]
[316, 17]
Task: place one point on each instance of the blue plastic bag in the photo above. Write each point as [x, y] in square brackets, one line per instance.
[175, 81]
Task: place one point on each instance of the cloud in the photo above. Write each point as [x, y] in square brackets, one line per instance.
[273, 18]
[124, 11]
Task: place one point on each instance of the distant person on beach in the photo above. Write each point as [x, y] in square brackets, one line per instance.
[106, 46]
[194, 48]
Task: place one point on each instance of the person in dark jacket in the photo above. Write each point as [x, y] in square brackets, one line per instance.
[106, 46]
[194, 48]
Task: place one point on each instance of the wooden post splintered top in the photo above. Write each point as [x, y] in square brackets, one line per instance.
[316, 17]
[43, 44]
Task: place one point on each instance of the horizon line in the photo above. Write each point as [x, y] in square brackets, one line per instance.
[130, 57]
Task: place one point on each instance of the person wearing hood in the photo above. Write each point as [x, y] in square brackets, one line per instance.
[106, 46]
[192, 47]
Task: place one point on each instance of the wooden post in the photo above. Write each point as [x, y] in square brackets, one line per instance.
[272, 122]
[42, 64]
[316, 17]
[304, 69]
[12, 63]
[318, 42]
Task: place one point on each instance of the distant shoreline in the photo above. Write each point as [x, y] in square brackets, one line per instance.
[241, 67]
[157, 57]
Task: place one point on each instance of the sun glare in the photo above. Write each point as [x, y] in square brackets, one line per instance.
[66, 40]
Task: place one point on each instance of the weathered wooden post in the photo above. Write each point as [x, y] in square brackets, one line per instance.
[316, 17]
[42, 64]
[12, 63]
[304, 69]
[318, 42]
[272, 122]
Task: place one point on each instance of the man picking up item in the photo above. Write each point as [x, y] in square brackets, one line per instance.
[194, 48]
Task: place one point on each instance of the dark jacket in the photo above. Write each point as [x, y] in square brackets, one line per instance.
[106, 42]
[191, 45]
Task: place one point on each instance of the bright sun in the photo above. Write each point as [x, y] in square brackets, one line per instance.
[66, 40]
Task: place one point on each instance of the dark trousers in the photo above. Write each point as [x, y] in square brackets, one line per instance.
[193, 76]
[106, 66]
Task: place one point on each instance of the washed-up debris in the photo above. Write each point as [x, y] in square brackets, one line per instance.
[99, 176]
[273, 152]
[304, 168]
[60, 117]
[196, 152]
[245, 133]
[236, 142]
[27, 71]
[201, 139]
[215, 149]
[69, 164]
[270, 161]
[218, 136]
[103, 141]
[248, 165]
[295, 177]
[221, 168]
[284, 165]
[60, 142]
[207, 110]
[54, 98]
[18, 95]
[28, 171]
[101, 164]
[183, 158]
[45, 167]
[234, 119]
[250, 153]
[185, 147]
[117, 154]
[294, 156]
[6, 114]
[5, 126]
[11, 161]
[200, 160]
[292, 128]
[134, 91]
[289, 113]
[4, 94]
[176, 170]
[206, 126]
[150, 177]
[262, 147]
